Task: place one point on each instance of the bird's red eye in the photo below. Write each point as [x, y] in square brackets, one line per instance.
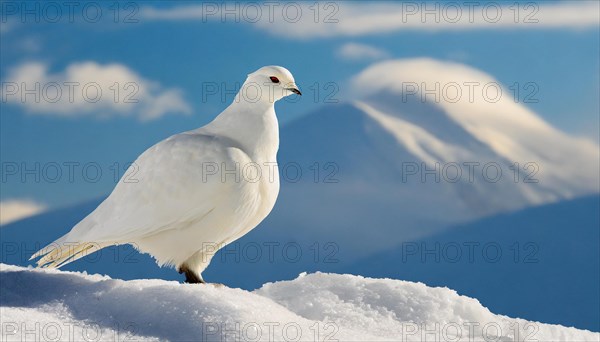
[274, 79]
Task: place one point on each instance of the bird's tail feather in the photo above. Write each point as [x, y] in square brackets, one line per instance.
[61, 252]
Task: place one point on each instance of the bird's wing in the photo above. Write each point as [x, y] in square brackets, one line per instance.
[169, 185]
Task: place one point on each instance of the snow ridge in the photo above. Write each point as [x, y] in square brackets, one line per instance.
[68, 306]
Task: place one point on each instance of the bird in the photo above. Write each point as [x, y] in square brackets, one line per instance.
[194, 192]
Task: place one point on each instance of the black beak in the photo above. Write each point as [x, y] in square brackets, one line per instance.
[295, 91]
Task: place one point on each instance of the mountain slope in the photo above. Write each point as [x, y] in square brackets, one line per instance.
[311, 307]
[539, 263]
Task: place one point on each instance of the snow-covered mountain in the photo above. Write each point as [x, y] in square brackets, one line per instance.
[409, 164]
[444, 120]
[65, 306]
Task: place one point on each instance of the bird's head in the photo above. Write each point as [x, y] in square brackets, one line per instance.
[270, 83]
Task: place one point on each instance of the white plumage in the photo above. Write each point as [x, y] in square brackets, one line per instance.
[195, 191]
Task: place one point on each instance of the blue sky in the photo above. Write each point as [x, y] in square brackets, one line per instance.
[182, 53]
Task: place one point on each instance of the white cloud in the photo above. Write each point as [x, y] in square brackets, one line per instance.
[348, 19]
[13, 210]
[89, 88]
[356, 51]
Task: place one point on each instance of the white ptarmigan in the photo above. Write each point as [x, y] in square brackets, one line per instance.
[193, 192]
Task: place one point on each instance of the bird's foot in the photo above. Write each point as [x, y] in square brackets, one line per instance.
[190, 276]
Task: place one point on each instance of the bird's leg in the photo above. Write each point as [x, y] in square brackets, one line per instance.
[190, 276]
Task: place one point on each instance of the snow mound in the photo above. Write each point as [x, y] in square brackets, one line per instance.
[68, 306]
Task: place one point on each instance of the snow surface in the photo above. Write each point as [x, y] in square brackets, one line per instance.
[66, 306]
